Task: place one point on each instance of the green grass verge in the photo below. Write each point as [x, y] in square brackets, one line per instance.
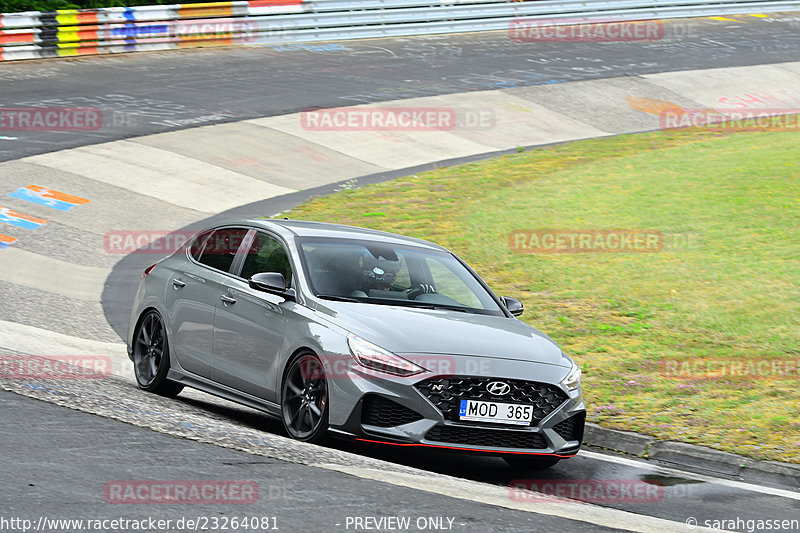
[731, 295]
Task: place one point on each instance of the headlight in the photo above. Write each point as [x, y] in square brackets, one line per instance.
[376, 358]
[573, 379]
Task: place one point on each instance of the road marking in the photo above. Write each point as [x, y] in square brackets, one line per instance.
[723, 19]
[6, 240]
[9, 216]
[499, 496]
[31, 340]
[48, 197]
[45, 273]
[690, 475]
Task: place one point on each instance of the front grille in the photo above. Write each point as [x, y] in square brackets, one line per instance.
[382, 412]
[487, 437]
[447, 393]
[571, 428]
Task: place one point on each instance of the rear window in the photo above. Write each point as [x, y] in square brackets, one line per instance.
[197, 245]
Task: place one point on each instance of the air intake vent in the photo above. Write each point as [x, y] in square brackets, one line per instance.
[487, 437]
[382, 412]
[571, 428]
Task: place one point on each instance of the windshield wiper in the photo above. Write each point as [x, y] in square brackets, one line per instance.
[337, 298]
[400, 303]
[438, 307]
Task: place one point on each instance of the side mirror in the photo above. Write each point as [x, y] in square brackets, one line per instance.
[513, 305]
[272, 282]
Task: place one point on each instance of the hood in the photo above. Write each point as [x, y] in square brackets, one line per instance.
[405, 330]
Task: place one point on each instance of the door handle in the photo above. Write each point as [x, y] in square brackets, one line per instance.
[178, 284]
[227, 299]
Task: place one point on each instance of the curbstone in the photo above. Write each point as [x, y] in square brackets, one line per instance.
[699, 457]
[614, 439]
[693, 457]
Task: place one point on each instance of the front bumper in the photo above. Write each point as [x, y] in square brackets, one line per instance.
[402, 411]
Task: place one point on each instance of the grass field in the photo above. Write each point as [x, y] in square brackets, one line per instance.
[720, 302]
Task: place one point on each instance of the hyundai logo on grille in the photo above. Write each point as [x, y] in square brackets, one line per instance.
[498, 388]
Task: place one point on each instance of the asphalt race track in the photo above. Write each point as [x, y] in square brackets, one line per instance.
[59, 456]
[156, 92]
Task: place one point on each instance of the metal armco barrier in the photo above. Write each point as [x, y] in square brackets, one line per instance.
[34, 35]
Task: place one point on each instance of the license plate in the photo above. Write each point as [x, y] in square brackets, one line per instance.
[495, 412]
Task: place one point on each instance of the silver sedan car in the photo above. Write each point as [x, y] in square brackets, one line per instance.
[361, 334]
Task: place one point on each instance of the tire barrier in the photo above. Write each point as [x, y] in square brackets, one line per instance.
[33, 35]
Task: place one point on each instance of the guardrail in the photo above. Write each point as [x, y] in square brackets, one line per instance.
[34, 35]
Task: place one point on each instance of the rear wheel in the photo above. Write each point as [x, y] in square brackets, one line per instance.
[531, 462]
[305, 400]
[151, 357]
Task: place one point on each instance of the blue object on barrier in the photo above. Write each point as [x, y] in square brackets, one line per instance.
[133, 32]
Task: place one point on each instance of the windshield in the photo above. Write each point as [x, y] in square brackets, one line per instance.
[379, 273]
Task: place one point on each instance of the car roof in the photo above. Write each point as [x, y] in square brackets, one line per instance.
[307, 228]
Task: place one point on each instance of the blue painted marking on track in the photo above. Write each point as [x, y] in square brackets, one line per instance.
[6, 241]
[10, 216]
[45, 389]
[48, 197]
[31, 196]
[311, 48]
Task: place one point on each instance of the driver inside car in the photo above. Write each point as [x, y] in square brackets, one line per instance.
[378, 275]
[379, 269]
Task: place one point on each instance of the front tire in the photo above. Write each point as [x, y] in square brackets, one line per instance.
[151, 357]
[304, 402]
[531, 462]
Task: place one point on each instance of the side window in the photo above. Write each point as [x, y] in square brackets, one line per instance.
[267, 254]
[448, 284]
[220, 248]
